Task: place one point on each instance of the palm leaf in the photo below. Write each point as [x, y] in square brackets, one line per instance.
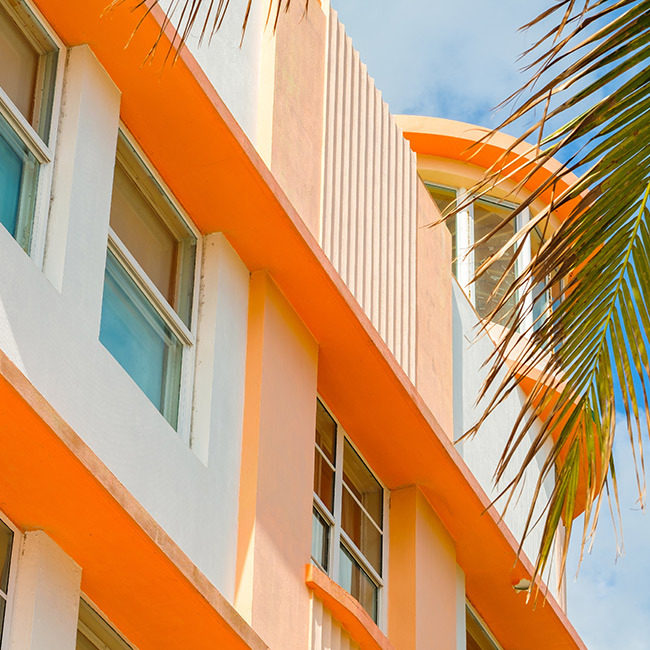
[591, 350]
[203, 17]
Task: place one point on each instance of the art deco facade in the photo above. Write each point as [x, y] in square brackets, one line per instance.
[233, 358]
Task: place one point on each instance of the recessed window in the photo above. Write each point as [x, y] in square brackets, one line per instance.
[348, 515]
[27, 82]
[147, 306]
[489, 289]
[468, 228]
[94, 633]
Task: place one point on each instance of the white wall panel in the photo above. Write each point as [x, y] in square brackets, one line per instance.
[326, 632]
[369, 206]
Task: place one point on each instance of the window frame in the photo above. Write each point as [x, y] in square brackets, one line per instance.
[100, 620]
[186, 335]
[469, 609]
[466, 266]
[334, 520]
[13, 570]
[31, 22]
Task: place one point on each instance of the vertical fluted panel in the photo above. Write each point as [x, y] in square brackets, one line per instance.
[369, 205]
[326, 632]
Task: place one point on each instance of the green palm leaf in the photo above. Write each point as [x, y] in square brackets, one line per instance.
[592, 349]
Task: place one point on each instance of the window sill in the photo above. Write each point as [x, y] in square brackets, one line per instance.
[347, 610]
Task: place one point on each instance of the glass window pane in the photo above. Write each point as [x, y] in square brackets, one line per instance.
[362, 483]
[140, 340]
[144, 233]
[487, 216]
[320, 540]
[541, 302]
[444, 198]
[358, 583]
[18, 176]
[325, 431]
[323, 480]
[361, 530]
[19, 68]
[6, 542]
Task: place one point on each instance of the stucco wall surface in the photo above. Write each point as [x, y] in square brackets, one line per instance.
[232, 63]
[481, 453]
[51, 333]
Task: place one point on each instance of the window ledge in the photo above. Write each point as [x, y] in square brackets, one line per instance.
[347, 610]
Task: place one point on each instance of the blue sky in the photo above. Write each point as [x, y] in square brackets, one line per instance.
[459, 60]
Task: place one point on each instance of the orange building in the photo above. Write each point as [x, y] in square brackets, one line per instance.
[233, 359]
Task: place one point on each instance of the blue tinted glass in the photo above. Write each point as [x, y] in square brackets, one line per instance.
[11, 171]
[140, 340]
[357, 582]
[18, 171]
[320, 535]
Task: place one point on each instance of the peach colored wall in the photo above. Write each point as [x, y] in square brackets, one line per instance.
[369, 197]
[422, 576]
[291, 110]
[434, 313]
[274, 541]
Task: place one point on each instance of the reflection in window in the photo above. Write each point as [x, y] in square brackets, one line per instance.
[27, 75]
[348, 545]
[445, 199]
[489, 288]
[148, 284]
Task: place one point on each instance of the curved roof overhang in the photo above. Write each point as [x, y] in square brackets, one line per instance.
[468, 143]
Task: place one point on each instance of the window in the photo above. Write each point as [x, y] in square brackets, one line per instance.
[348, 515]
[470, 226]
[477, 634]
[27, 86]
[94, 633]
[8, 544]
[147, 320]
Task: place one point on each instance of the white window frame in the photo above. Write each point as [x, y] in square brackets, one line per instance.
[337, 534]
[90, 634]
[185, 334]
[42, 151]
[483, 625]
[466, 265]
[11, 589]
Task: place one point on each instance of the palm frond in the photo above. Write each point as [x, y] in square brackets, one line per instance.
[202, 18]
[592, 348]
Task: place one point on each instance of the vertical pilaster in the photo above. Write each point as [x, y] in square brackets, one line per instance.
[277, 470]
[75, 252]
[422, 576]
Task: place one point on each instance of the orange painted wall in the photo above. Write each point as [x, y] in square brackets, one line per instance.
[434, 360]
[274, 541]
[422, 576]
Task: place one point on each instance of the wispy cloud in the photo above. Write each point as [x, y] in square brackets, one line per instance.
[449, 59]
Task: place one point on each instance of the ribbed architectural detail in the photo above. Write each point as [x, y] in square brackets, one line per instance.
[368, 225]
[326, 631]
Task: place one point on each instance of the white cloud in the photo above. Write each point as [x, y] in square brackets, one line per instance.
[448, 59]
